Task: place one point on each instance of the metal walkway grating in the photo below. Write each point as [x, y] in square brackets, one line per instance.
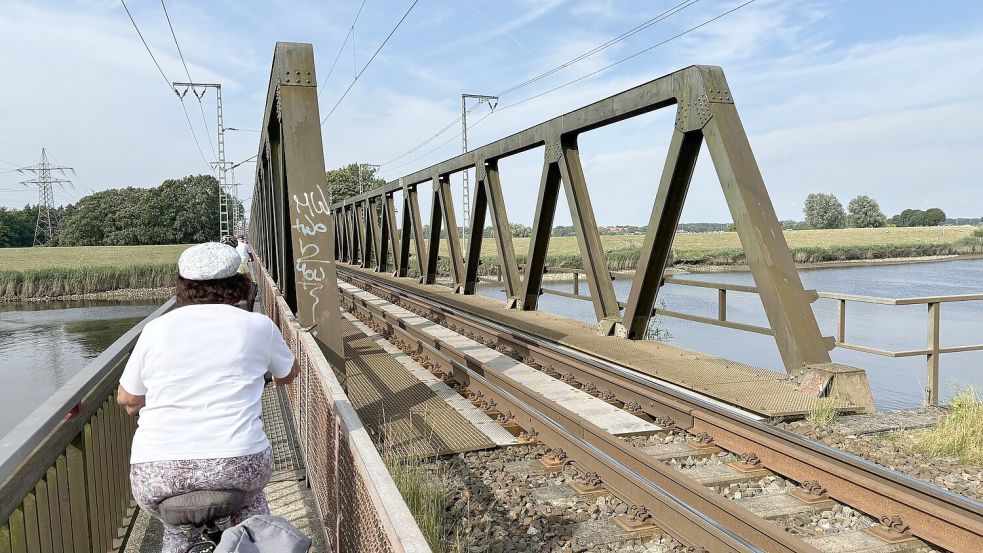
[288, 464]
[406, 417]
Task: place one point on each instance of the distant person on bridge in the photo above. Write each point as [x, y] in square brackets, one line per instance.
[195, 378]
[244, 251]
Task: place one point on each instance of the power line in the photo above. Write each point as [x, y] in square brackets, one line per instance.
[630, 32]
[208, 134]
[622, 60]
[568, 83]
[341, 48]
[368, 63]
[633, 31]
[166, 80]
[145, 45]
[193, 135]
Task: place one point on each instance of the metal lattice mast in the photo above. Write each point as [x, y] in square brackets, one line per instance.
[226, 218]
[224, 221]
[466, 222]
[46, 226]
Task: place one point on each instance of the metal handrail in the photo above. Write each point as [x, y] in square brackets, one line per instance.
[63, 469]
[932, 351]
[64, 404]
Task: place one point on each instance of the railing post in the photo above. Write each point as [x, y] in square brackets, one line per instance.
[841, 322]
[576, 283]
[721, 304]
[932, 384]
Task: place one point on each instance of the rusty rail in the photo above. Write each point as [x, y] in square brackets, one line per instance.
[938, 516]
[64, 470]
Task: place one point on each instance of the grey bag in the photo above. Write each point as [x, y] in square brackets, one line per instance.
[263, 534]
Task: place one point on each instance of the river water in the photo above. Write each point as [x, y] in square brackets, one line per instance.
[42, 345]
[895, 382]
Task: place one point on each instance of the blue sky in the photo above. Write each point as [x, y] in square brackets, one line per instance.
[852, 97]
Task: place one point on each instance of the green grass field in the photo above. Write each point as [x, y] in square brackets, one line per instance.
[724, 248]
[21, 259]
[31, 273]
[50, 272]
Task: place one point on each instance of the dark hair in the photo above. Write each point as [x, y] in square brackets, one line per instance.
[230, 290]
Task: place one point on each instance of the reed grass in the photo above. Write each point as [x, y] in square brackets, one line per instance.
[37, 273]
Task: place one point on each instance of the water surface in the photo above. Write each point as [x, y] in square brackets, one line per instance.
[44, 344]
[895, 382]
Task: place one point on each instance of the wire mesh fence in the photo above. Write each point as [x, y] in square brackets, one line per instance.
[358, 503]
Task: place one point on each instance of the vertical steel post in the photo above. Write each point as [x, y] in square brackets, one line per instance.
[472, 260]
[841, 321]
[932, 382]
[721, 304]
[394, 242]
[292, 102]
[412, 210]
[508, 268]
[442, 195]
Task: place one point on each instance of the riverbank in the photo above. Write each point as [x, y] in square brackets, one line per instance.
[98, 272]
[722, 251]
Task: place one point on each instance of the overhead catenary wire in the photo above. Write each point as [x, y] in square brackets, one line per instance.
[145, 45]
[341, 49]
[368, 63]
[180, 54]
[168, 82]
[623, 36]
[578, 79]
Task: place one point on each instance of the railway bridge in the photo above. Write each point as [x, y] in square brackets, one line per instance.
[402, 358]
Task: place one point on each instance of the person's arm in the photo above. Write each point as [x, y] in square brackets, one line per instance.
[283, 366]
[131, 393]
[132, 403]
[294, 371]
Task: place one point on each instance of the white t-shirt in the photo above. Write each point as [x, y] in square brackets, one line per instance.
[243, 249]
[201, 368]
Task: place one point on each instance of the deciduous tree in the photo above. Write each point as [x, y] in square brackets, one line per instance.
[865, 213]
[824, 211]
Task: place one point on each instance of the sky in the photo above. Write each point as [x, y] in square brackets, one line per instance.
[875, 97]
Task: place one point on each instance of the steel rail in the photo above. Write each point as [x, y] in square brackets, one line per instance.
[590, 446]
[936, 515]
[686, 509]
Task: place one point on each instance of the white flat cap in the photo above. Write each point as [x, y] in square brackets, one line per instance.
[208, 261]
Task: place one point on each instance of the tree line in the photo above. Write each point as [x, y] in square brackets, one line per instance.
[179, 211]
[824, 211]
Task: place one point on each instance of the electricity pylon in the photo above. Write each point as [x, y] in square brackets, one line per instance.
[47, 225]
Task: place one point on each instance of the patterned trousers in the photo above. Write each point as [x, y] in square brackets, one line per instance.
[155, 481]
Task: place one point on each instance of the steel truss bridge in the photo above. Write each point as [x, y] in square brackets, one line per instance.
[345, 281]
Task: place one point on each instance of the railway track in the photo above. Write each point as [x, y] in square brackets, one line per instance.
[913, 515]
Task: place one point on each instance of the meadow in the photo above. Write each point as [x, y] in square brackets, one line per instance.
[34, 273]
[31, 273]
[724, 248]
